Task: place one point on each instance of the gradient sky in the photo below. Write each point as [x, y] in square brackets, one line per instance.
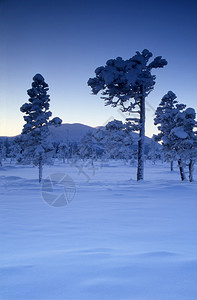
[66, 41]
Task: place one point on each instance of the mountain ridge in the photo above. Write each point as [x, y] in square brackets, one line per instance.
[73, 132]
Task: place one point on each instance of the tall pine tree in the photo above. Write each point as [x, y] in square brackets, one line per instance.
[35, 147]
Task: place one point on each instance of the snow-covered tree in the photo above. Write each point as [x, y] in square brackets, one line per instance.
[154, 152]
[127, 83]
[1, 152]
[184, 139]
[118, 140]
[15, 148]
[165, 119]
[7, 147]
[35, 147]
[73, 149]
[100, 138]
[177, 132]
[63, 150]
[115, 140]
[88, 147]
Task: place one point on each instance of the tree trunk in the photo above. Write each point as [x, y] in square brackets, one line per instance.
[1, 156]
[40, 167]
[140, 168]
[191, 170]
[171, 166]
[181, 168]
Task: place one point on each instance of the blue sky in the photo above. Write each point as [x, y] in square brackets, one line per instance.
[66, 41]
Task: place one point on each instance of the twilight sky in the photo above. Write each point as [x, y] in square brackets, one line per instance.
[66, 41]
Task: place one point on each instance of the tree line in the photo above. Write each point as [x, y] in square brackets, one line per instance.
[124, 84]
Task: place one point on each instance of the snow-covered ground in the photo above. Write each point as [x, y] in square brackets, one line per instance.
[117, 239]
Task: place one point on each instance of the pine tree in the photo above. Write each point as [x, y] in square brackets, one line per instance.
[127, 83]
[35, 146]
[184, 140]
[165, 118]
[177, 132]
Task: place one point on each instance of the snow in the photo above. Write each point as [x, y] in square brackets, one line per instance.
[179, 132]
[39, 78]
[117, 239]
[190, 112]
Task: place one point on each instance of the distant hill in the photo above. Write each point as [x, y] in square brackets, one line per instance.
[74, 133]
[69, 132]
[66, 132]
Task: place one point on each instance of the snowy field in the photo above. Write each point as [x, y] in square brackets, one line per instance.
[117, 239]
